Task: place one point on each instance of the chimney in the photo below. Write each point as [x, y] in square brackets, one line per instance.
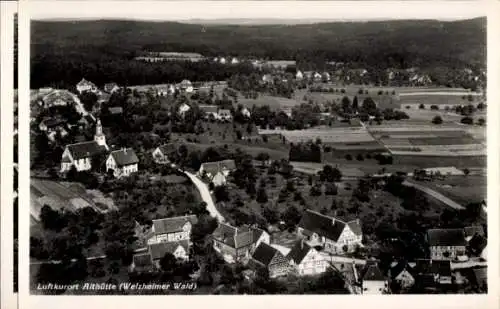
[333, 221]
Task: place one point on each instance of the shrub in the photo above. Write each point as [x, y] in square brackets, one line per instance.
[437, 120]
[359, 157]
[421, 106]
[467, 120]
[348, 157]
[434, 107]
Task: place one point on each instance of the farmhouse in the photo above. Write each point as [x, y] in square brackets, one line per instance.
[446, 244]
[186, 86]
[85, 85]
[373, 280]
[171, 229]
[146, 262]
[235, 61]
[51, 124]
[224, 114]
[80, 155]
[299, 75]
[111, 87]
[165, 90]
[271, 259]
[305, 260]
[210, 111]
[245, 112]
[210, 169]
[333, 234]
[122, 162]
[59, 98]
[237, 244]
[162, 154]
[401, 272]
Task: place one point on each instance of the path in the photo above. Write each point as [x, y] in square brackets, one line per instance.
[206, 196]
[434, 194]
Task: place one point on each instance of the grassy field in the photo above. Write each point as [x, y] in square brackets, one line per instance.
[383, 101]
[433, 161]
[275, 103]
[428, 99]
[461, 189]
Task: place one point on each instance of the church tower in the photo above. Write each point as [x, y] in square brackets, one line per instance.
[99, 136]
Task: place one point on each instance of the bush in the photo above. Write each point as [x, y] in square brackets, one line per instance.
[467, 120]
[359, 157]
[421, 106]
[437, 120]
[481, 121]
[434, 107]
[348, 157]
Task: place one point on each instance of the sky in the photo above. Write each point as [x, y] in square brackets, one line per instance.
[301, 11]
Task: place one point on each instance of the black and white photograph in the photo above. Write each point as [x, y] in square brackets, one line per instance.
[202, 151]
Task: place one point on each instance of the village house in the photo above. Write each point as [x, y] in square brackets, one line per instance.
[237, 244]
[111, 87]
[150, 261]
[431, 273]
[122, 162]
[267, 79]
[183, 109]
[446, 244]
[402, 273]
[171, 229]
[271, 259]
[235, 61]
[85, 85]
[299, 75]
[217, 172]
[222, 60]
[186, 86]
[80, 155]
[317, 77]
[245, 112]
[59, 98]
[373, 281]
[163, 153]
[210, 111]
[224, 114]
[165, 90]
[51, 124]
[325, 76]
[306, 260]
[333, 234]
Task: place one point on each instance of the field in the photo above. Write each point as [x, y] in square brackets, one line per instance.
[441, 100]
[275, 103]
[461, 189]
[383, 101]
[67, 195]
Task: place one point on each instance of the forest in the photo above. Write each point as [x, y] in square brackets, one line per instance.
[103, 51]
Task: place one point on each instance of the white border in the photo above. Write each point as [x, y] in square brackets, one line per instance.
[204, 9]
[8, 298]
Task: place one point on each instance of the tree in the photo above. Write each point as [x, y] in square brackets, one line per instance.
[369, 106]
[221, 194]
[52, 219]
[330, 174]
[88, 99]
[331, 189]
[315, 190]
[359, 157]
[355, 106]
[421, 106]
[168, 262]
[263, 157]
[437, 120]
[467, 120]
[481, 121]
[477, 244]
[261, 195]
[291, 217]
[348, 157]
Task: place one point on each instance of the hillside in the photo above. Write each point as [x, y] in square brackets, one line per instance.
[423, 43]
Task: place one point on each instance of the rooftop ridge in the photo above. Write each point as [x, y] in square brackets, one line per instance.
[329, 217]
[81, 143]
[184, 216]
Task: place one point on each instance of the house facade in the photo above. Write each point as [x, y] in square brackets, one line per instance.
[162, 154]
[111, 87]
[186, 86]
[122, 162]
[373, 281]
[85, 85]
[171, 229]
[224, 114]
[150, 260]
[272, 259]
[446, 244]
[305, 260]
[237, 244]
[333, 234]
[210, 169]
[403, 274]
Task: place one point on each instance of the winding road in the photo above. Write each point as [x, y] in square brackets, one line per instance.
[205, 195]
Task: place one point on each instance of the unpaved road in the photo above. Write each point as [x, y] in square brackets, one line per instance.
[434, 194]
[205, 195]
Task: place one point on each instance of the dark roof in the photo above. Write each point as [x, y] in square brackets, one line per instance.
[443, 268]
[372, 272]
[225, 112]
[85, 149]
[172, 225]
[264, 254]
[125, 156]
[64, 95]
[158, 250]
[446, 237]
[470, 231]
[142, 260]
[53, 122]
[85, 82]
[422, 266]
[214, 167]
[322, 225]
[234, 237]
[115, 110]
[299, 252]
